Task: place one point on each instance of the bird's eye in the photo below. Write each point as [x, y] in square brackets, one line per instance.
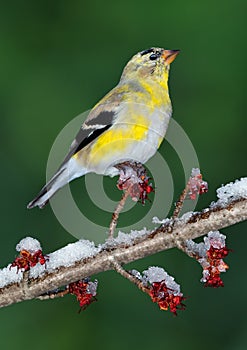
[153, 57]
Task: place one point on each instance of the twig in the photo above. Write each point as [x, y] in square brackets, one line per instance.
[116, 213]
[180, 203]
[195, 186]
[118, 268]
[54, 294]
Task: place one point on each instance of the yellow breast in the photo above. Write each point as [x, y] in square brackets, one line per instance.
[119, 138]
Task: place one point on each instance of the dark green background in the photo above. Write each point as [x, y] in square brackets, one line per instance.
[57, 58]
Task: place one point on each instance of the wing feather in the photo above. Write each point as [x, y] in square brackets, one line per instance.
[100, 119]
[89, 131]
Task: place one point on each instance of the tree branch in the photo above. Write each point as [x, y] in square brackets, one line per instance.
[165, 237]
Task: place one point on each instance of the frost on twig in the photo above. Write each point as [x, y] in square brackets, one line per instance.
[230, 192]
[38, 275]
[162, 288]
[210, 254]
[156, 282]
[30, 254]
[195, 186]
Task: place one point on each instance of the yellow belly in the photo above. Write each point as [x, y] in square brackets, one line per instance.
[117, 140]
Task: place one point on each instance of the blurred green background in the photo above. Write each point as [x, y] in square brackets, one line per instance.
[57, 58]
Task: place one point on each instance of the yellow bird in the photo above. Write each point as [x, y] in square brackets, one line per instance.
[128, 124]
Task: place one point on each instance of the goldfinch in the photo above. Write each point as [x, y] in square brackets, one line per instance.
[128, 124]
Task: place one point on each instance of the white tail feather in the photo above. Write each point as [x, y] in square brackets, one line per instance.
[67, 173]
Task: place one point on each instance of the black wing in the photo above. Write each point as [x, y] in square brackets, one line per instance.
[91, 129]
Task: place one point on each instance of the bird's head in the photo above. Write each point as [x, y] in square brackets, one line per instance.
[153, 63]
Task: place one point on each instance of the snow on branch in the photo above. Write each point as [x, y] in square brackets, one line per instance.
[34, 275]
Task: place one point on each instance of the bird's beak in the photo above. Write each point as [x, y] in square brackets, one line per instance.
[170, 55]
